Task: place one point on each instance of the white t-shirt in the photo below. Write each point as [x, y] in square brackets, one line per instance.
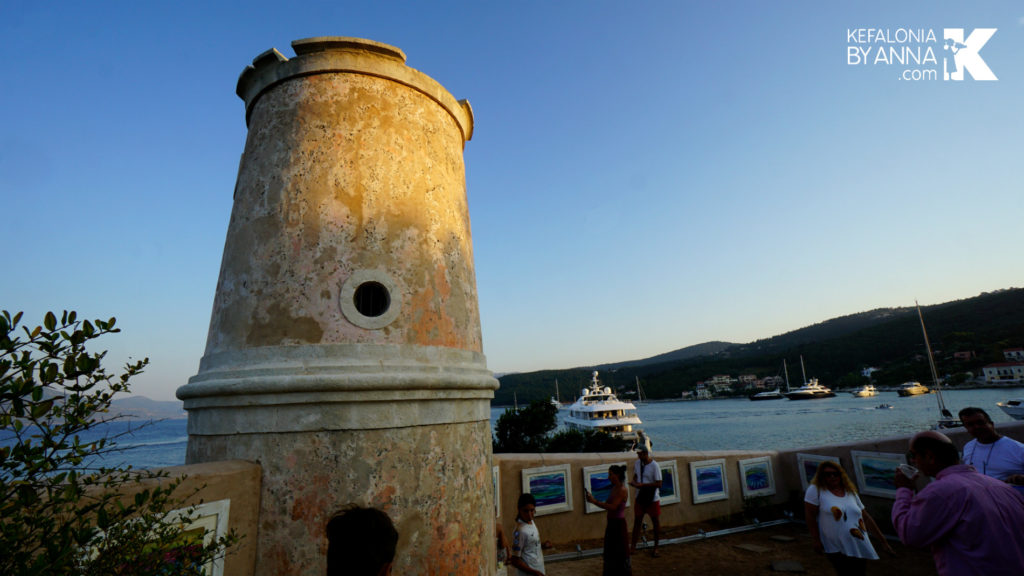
[841, 523]
[652, 473]
[1000, 459]
[526, 545]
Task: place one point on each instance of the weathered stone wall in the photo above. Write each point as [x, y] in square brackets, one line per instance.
[346, 173]
[344, 352]
[429, 480]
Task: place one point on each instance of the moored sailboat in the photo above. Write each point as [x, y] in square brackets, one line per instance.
[773, 394]
[556, 400]
[946, 418]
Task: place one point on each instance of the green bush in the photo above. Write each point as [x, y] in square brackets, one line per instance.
[62, 507]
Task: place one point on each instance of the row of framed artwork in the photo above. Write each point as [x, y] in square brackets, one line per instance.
[552, 488]
[875, 471]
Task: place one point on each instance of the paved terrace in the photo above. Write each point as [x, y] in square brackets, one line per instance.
[770, 550]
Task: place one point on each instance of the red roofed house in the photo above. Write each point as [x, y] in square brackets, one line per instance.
[1014, 354]
[1004, 372]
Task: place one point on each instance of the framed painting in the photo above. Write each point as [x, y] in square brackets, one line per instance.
[808, 466]
[669, 482]
[209, 521]
[551, 488]
[708, 481]
[875, 472]
[496, 487]
[756, 478]
[595, 479]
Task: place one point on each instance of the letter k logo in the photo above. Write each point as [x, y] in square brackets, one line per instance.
[965, 53]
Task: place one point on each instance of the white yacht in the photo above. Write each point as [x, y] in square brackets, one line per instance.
[911, 389]
[1013, 408]
[599, 409]
[865, 391]
[811, 389]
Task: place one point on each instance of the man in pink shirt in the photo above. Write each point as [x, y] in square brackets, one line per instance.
[974, 524]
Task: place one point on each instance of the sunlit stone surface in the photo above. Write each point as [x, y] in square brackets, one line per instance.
[344, 352]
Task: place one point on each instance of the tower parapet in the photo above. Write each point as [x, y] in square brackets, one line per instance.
[344, 351]
[337, 54]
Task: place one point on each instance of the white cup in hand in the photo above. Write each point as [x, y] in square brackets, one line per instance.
[908, 470]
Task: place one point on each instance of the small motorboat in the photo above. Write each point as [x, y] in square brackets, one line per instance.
[883, 407]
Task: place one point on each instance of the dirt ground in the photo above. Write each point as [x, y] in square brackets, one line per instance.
[720, 556]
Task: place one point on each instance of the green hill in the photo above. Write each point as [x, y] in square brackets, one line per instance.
[835, 351]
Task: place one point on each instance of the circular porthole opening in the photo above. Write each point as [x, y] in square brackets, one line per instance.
[371, 299]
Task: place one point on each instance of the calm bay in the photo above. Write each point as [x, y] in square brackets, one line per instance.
[739, 424]
[727, 424]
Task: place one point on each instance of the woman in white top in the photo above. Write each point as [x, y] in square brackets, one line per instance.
[838, 522]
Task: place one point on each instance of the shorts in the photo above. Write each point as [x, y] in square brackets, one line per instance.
[653, 510]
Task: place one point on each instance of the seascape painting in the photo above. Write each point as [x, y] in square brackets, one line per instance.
[756, 477]
[669, 491]
[875, 472]
[808, 466]
[600, 486]
[595, 479]
[551, 488]
[708, 480]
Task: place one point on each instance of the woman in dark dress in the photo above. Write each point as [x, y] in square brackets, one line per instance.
[616, 535]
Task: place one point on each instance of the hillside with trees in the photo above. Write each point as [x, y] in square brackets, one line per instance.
[836, 351]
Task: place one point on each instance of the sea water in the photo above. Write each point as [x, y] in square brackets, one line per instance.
[740, 424]
[140, 444]
[729, 424]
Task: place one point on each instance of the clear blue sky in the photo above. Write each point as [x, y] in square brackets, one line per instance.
[643, 176]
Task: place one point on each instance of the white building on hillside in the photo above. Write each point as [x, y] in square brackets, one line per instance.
[1004, 373]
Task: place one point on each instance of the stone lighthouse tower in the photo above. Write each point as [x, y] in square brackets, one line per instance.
[344, 352]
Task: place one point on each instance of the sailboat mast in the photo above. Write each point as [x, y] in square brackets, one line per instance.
[931, 362]
[802, 370]
[558, 398]
[786, 372]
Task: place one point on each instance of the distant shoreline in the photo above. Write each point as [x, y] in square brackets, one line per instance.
[931, 390]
